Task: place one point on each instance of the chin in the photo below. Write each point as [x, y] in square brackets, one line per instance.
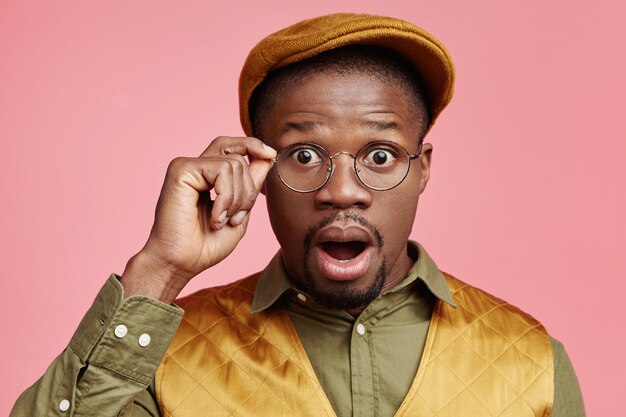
[343, 264]
[344, 295]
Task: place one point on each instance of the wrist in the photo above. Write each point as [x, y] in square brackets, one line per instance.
[147, 275]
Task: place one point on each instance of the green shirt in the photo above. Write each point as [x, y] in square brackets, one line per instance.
[365, 364]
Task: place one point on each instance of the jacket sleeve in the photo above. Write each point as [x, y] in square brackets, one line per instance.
[109, 361]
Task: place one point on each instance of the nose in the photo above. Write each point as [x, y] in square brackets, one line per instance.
[343, 189]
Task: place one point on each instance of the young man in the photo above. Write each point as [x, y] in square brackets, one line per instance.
[350, 318]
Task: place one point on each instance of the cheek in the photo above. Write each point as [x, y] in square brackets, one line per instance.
[396, 211]
[288, 212]
[397, 214]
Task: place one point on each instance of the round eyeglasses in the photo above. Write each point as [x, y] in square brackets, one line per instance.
[380, 165]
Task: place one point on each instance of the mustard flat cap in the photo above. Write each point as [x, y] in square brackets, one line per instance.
[310, 37]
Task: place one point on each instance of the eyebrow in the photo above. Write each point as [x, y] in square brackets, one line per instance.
[381, 126]
[306, 126]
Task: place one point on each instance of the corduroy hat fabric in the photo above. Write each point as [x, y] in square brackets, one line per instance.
[311, 37]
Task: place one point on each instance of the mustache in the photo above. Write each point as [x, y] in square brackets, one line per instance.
[341, 216]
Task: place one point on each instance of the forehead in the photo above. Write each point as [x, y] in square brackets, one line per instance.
[343, 76]
[349, 88]
[341, 105]
[343, 63]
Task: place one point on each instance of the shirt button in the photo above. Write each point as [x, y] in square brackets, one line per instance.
[64, 405]
[301, 297]
[121, 331]
[144, 340]
[360, 329]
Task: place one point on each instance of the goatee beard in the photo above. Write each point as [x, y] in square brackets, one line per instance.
[343, 296]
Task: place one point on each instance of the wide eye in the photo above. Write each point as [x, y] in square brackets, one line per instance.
[306, 155]
[380, 156]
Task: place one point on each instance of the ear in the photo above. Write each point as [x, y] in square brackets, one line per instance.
[425, 160]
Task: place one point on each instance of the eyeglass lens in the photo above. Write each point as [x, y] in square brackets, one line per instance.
[379, 165]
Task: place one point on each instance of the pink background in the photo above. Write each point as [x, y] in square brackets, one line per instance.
[526, 199]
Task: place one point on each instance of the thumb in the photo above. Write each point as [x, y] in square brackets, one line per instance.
[259, 168]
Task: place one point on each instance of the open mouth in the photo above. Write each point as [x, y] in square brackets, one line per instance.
[344, 251]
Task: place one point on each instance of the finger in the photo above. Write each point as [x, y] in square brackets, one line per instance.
[249, 195]
[228, 176]
[235, 196]
[259, 168]
[253, 147]
[224, 193]
[239, 168]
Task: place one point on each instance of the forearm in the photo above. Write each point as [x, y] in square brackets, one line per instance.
[111, 358]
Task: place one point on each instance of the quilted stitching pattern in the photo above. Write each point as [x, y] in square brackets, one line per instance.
[252, 371]
[486, 358]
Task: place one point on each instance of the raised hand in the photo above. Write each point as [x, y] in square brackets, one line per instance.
[191, 231]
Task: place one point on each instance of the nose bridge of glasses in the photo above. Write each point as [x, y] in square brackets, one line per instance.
[334, 164]
[352, 165]
[331, 157]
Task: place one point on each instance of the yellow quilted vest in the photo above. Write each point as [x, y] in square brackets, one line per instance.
[484, 358]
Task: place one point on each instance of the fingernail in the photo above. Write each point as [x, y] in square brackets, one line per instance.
[221, 220]
[269, 149]
[238, 218]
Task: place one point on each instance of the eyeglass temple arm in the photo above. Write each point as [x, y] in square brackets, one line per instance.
[418, 154]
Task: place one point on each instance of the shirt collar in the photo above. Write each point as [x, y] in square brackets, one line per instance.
[274, 281]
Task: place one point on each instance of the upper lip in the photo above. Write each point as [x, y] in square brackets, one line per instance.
[338, 233]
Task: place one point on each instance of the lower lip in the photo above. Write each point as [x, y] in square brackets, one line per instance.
[343, 270]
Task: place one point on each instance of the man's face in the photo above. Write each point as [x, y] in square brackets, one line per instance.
[345, 243]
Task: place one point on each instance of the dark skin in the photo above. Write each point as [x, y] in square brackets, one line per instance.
[343, 113]
[339, 112]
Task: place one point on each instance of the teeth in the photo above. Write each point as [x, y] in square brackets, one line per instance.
[343, 261]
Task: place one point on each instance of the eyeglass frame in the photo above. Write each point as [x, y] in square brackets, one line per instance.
[331, 169]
